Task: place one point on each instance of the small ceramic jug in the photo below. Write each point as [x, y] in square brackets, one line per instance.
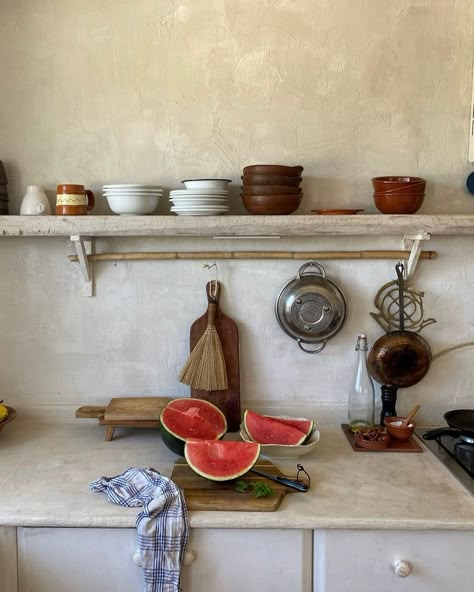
[35, 202]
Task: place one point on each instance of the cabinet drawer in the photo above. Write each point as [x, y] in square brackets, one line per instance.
[387, 561]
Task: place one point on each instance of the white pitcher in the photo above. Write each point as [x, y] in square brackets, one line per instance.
[35, 202]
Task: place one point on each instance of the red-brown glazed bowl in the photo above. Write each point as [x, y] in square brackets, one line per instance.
[270, 190]
[271, 205]
[398, 183]
[273, 169]
[398, 203]
[271, 180]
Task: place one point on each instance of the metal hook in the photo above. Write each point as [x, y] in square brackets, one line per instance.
[213, 283]
[302, 470]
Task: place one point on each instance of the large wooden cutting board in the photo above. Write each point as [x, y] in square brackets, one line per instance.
[202, 494]
[227, 400]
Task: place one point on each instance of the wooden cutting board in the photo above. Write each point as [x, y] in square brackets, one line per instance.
[227, 400]
[140, 412]
[202, 494]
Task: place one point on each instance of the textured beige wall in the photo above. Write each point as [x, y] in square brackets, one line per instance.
[119, 91]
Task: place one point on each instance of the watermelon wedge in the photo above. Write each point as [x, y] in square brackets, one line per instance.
[221, 460]
[270, 430]
[190, 418]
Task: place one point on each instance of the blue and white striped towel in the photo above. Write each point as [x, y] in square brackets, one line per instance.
[162, 526]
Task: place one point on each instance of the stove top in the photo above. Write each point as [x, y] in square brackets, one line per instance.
[456, 454]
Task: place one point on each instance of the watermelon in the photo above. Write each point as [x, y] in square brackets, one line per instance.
[190, 418]
[221, 461]
[266, 429]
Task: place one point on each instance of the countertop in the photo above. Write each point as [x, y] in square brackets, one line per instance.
[46, 469]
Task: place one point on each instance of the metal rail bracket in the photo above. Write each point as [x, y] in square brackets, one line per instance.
[414, 244]
[84, 247]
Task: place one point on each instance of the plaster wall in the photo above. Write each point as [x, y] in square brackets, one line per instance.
[154, 91]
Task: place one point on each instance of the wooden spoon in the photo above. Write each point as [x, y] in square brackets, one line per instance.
[410, 416]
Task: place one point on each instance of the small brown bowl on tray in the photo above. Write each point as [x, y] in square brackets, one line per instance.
[397, 430]
[375, 438]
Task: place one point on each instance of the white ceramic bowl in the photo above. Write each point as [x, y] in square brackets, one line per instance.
[282, 450]
[131, 204]
[206, 183]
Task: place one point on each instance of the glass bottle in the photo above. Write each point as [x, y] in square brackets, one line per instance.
[361, 391]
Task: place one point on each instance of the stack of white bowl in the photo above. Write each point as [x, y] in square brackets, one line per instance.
[202, 197]
[130, 199]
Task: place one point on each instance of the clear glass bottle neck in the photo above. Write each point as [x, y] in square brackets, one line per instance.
[361, 344]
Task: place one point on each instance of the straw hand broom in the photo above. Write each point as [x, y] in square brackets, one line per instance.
[205, 368]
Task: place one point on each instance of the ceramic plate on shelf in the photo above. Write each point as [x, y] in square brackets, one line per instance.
[200, 192]
[336, 212]
[282, 450]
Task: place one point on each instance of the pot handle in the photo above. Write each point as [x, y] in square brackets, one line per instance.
[311, 351]
[311, 264]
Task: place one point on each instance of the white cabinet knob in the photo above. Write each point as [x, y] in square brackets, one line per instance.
[402, 568]
[189, 557]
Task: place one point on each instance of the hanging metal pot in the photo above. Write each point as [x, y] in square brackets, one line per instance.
[310, 308]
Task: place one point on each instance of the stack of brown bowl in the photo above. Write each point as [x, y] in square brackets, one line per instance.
[271, 189]
[398, 195]
[3, 191]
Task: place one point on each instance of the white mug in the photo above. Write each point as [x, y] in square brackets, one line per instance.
[35, 202]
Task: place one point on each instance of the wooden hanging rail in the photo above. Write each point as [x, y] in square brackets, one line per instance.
[316, 255]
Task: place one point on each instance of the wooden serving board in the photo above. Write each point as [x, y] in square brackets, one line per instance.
[228, 401]
[410, 445]
[139, 412]
[202, 494]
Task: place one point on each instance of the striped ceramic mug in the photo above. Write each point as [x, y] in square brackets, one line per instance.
[73, 200]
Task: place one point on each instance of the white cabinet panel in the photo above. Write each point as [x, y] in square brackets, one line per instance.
[242, 559]
[366, 561]
[8, 560]
[88, 559]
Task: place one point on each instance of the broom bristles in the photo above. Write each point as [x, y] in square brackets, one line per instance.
[205, 368]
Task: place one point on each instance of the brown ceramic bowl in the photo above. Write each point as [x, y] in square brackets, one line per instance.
[273, 169]
[373, 444]
[401, 203]
[11, 416]
[270, 190]
[397, 183]
[271, 180]
[398, 431]
[271, 205]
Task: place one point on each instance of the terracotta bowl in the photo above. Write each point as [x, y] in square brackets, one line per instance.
[271, 180]
[397, 431]
[397, 183]
[273, 169]
[401, 203]
[373, 445]
[271, 204]
[11, 417]
[270, 190]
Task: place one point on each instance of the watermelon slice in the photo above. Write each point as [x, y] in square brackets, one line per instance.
[190, 418]
[221, 461]
[300, 423]
[268, 430]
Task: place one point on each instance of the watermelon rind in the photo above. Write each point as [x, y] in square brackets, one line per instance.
[190, 417]
[221, 460]
[266, 430]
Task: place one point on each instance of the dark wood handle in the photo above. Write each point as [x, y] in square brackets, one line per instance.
[213, 290]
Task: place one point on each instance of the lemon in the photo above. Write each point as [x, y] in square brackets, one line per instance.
[3, 412]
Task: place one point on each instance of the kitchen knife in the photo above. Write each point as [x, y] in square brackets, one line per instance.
[293, 483]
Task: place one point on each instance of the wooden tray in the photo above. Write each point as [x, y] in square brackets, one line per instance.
[138, 412]
[410, 445]
[202, 494]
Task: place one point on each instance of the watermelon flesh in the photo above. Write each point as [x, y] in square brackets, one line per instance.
[190, 418]
[268, 430]
[221, 460]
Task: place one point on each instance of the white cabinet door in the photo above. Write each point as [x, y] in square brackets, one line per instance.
[376, 561]
[88, 560]
[235, 560]
[8, 560]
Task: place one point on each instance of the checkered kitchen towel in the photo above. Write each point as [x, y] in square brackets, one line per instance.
[162, 526]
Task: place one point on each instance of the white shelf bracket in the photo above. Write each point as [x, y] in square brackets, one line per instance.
[414, 244]
[84, 246]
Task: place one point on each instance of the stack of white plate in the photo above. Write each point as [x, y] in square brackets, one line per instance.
[130, 199]
[202, 197]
